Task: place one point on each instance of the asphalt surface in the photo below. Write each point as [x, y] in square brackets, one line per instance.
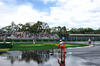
[87, 56]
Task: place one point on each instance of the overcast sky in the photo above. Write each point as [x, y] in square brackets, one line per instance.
[69, 13]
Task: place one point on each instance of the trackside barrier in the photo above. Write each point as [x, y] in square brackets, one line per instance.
[44, 40]
[5, 45]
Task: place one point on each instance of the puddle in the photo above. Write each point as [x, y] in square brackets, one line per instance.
[39, 58]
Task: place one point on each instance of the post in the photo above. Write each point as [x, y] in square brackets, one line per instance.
[93, 41]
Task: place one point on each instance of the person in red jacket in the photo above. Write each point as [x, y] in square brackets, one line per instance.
[62, 47]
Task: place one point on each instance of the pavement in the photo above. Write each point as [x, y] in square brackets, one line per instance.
[87, 56]
[84, 56]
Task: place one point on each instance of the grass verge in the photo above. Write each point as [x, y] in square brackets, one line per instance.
[4, 50]
[40, 46]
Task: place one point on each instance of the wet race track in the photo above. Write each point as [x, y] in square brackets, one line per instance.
[87, 56]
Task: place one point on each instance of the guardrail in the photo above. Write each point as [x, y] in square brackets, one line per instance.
[43, 40]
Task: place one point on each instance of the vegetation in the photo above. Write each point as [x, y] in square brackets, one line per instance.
[39, 46]
[42, 27]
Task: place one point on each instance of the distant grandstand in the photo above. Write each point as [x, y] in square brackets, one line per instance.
[27, 35]
[30, 36]
[5, 34]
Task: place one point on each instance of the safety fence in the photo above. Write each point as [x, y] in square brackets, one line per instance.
[45, 40]
[5, 45]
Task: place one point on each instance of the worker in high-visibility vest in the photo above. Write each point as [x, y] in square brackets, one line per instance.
[4, 40]
[62, 47]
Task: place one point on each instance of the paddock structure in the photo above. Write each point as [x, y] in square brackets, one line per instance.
[84, 36]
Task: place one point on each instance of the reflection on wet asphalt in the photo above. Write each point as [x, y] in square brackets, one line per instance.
[89, 56]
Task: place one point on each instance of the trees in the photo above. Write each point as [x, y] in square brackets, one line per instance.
[97, 31]
[81, 31]
[61, 31]
[74, 31]
[20, 27]
[42, 27]
[6, 28]
[89, 30]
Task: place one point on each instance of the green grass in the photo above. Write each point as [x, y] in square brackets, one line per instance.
[40, 46]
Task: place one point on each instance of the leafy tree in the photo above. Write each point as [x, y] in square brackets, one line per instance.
[20, 27]
[89, 30]
[6, 28]
[74, 31]
[40, 27]
[27, 27]
[81, 31]
[97, 31]
[61, 31]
